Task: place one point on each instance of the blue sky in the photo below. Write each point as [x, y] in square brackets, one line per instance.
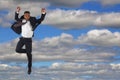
[78, 40]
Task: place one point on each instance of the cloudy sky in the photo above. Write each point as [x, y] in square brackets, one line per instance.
[78, 40]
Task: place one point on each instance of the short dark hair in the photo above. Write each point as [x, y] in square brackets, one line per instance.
[27, 12]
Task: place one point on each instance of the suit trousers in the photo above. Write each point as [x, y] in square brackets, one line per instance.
[28, 49]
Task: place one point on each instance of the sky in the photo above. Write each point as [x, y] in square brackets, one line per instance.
[78, 40]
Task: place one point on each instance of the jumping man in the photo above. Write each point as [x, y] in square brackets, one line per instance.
[27, 32]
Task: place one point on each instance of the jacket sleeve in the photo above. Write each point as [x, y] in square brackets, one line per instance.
[16, 16]
[41, 19]
[35, 22]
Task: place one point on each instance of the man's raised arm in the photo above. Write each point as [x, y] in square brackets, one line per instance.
[43, 13]
[17, 13]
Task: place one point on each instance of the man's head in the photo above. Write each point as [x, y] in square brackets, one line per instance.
[27, 15]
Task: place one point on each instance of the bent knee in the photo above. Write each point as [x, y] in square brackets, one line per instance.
[17, 50]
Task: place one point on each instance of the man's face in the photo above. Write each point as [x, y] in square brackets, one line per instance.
[27, 16]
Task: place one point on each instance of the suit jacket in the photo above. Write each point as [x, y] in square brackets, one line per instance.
[16, 27]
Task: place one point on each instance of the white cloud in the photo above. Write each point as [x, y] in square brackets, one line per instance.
[63, 71]
[64, 39]
[66, 48]
[70, 19]
[67, 3]
[100, 38]
[4, 66]
[108, 19]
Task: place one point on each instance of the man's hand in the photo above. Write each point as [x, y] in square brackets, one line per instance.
[43, 11]
[18, 9]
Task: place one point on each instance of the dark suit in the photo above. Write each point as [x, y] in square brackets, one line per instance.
[27, 41]
[34, 22]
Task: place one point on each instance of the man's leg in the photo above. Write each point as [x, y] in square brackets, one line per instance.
[28, 46]
[19, 46]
